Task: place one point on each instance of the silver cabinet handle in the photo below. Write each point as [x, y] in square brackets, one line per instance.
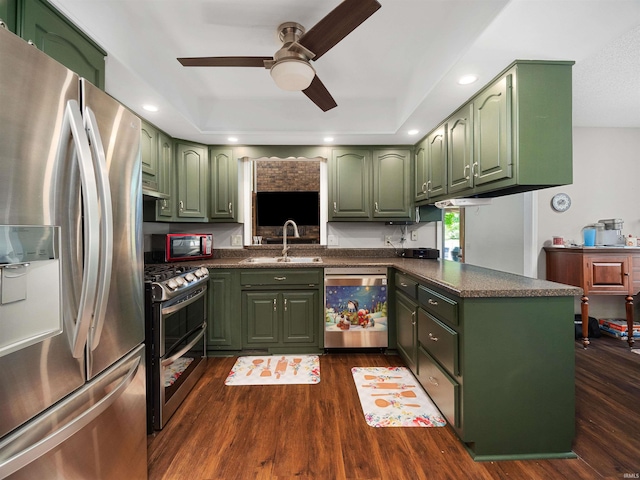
[432, 302]
[403, 284]
[475, 169]
[230, 208]
[424, 187]
[433, 381]
[275, 302]
[181, 204]
[432, 338]
[106, 232]
[73, 126]
[3, 25]
[413, 317]
[335, 207]
[280, 278]
[466, 175]
[429, 186]
[285, 304]
[375, 204]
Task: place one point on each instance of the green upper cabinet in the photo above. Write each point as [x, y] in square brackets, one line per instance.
[61, 40]
[459, 139]
[437, 163]
[9, 14]
[391, 183]
[166, 181]
[514, 135]
[493, 133]
[192, 191]
[149, 156]
[421, 172]
[370, 184]
[350, 187]
[223, 185]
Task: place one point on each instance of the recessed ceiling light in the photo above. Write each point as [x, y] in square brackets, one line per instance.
[467, 79]
[413, 132]
[233, 139]
[150, 108]
[328, 139]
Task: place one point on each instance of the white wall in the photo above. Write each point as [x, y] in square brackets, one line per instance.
[371, 235]
[606, 175]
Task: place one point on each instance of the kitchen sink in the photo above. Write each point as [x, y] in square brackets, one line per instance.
[282, 260]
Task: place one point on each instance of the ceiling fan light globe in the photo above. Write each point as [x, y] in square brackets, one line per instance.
[292, 75]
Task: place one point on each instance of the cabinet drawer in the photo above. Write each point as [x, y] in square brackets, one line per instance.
[280, 277]
[443, 390]
[442, 307]
[439, 340]
[406, 284]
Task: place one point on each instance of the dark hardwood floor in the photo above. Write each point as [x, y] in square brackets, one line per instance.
[318, 431]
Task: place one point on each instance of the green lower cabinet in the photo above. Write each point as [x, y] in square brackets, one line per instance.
[406, 326]
[501, 370]
[224, 326]
[9, 14]
[299, 317]
[61, 40]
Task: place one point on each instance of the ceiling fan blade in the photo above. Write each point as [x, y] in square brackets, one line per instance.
[339, 23]
[319, 95]
[224, 61]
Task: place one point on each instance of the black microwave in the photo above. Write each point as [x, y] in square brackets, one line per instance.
[179, 247]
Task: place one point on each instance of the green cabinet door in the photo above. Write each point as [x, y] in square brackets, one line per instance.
[223, 185]
[421, 171]
[391, 184]
[437, 155]
[9, 14]
[350, 188]
[407, 330]
[149, 156]
[459, 142]
[191, 165]
[299, 316]
[260, 318]
[58, 38]
[166, 207]
[492, 151]
[224, 327]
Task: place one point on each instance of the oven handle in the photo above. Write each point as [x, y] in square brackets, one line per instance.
[178, 306]
[173, 358]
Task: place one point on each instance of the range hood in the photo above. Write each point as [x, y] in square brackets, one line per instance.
[463, 202]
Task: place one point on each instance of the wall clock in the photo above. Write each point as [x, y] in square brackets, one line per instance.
[561, 202]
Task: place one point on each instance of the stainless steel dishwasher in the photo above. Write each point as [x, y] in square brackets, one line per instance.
[355, 302]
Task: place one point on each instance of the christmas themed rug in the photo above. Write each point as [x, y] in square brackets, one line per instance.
[275, 370]
[392, 397]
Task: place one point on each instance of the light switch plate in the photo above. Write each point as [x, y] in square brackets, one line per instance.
[414, 235]
[236, 240]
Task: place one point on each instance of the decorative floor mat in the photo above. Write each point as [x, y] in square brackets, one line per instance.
[275, 370]
[636, 350]
[392, 397]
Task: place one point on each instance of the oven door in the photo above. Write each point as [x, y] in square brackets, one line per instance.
[182, 351]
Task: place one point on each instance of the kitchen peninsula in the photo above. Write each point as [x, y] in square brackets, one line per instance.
[495, 351]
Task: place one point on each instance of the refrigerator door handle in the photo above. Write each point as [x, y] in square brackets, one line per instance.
[106, 228]
[39, 448]
[73, 125]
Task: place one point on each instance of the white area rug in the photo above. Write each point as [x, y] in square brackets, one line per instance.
[392, 397]
[275, 370]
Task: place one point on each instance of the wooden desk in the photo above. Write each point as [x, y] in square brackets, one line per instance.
[598, 271]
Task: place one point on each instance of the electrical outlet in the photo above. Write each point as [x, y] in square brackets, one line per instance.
[332, 240]
[387, 239]
[414, 235]
[236, 240]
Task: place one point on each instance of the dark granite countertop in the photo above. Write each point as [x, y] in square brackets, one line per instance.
[462, 280]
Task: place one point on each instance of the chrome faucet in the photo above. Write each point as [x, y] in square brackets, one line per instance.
[285, 249]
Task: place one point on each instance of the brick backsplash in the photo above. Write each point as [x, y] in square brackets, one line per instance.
[277, 175]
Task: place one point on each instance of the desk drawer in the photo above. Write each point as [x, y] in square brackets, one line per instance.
[406, 284]
[443, 390]
[442, 307]
[439, 340]
[280, 277]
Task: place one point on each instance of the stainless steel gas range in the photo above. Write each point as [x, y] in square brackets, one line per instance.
[176, 322]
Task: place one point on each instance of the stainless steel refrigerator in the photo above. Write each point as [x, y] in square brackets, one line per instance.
[72, 380]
